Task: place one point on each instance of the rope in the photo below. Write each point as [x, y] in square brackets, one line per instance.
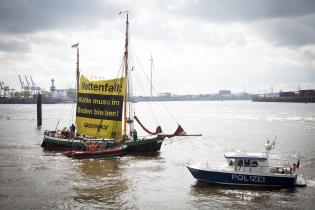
[172, 116]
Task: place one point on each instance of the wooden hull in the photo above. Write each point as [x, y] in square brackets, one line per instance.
[97, 154]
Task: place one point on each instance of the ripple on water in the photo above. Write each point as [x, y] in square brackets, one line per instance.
[33, 178]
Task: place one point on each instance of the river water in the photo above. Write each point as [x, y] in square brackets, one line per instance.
[32, 178]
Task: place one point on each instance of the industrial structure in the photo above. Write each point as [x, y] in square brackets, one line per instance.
[29, 87]
[27, 95]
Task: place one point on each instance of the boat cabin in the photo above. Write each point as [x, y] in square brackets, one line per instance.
[256, 163]
[247, 162]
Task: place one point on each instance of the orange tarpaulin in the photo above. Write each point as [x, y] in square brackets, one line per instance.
[158, 129]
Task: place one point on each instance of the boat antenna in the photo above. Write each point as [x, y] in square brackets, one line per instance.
[126, 73]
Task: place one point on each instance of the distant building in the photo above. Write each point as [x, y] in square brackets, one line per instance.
[287, 94]
[59, 93]
[166, 94]
[63, 93]
[307, 93]
[225, 92]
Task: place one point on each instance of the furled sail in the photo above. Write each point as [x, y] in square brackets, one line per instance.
[157, 131]
[179, 132]
[99, 107]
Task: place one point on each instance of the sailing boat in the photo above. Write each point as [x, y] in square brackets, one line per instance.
[99, 119]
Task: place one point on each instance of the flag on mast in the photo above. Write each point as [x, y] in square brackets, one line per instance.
[75, 45]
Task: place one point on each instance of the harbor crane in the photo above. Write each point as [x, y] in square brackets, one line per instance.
[6, 89]
[1, 89]
[22, 84]
[28, 87]
[34, 88]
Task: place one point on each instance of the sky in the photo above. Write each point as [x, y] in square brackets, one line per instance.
[198, 46]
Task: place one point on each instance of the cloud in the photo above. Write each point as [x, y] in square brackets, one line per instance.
[196, 45]
[19, 16]
[288, 32]
[15, 46]
[281, 22]
[247, 10]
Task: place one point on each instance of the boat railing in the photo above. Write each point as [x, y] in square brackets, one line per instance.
[280, 162]
[277, 169]
[278, 166]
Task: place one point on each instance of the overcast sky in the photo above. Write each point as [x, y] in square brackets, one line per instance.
[197, 46]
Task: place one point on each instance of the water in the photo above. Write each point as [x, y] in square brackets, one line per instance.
[32, 178]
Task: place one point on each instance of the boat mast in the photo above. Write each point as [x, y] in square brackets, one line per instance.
[151, 60]
[126, 76]
[78, 73]
[78, 70]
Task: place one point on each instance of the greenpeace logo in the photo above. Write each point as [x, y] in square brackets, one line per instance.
[96, 126]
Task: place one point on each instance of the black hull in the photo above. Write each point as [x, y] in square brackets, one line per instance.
[144, 146]
[295, 99]
[139, 146]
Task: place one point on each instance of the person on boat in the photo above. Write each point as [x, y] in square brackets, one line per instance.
[103, 145]
[293, 168]
[93, 146]
[72, 129]
[63, 132]
[135, 135]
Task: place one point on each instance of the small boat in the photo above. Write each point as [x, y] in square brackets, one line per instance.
[94, 153]
[252, 169]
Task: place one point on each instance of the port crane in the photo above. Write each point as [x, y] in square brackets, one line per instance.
[34, 88]
[1, 89]
[30, 85]
[5, 89]
[22, 84]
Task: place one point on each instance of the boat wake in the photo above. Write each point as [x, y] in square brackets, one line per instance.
[310, 183]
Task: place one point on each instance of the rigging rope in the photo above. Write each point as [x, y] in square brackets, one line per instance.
[172, 116]
[144, 90]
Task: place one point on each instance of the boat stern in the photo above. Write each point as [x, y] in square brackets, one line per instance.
[300, 182]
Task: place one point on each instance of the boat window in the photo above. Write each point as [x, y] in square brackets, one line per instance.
[240, 162]
[247, 163]
[231, 162]
[254, 163]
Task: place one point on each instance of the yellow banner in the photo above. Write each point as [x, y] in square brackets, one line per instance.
[99, 107]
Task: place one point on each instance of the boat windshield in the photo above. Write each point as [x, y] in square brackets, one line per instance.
[243, 162]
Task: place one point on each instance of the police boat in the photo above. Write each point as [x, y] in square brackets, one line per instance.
[252, 169]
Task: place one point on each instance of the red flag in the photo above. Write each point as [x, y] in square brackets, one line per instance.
[75, 45]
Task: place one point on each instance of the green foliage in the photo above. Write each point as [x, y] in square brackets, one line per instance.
[46, 93]
[26, 94]
[71, 94]
[17, 94]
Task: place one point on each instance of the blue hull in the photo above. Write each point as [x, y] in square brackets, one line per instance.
[231, 178]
